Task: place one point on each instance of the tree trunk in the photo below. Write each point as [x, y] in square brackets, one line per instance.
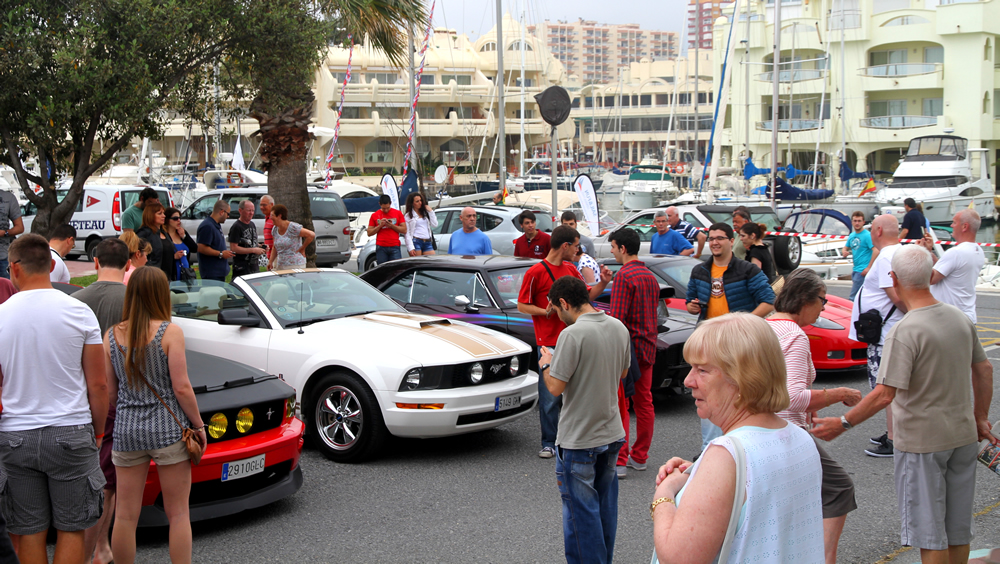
[283, 156]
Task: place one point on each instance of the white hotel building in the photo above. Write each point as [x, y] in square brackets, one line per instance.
[910, 68]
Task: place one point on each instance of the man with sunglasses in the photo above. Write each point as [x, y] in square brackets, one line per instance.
[723, 284]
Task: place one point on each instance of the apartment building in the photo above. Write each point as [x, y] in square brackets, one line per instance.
[594, 52]
[701, 16]
[910, 68]
[630, 119]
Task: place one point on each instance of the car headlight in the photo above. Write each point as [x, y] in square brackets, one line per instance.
[412, 378]
[217, 426]
[476, 373]
[515, 364]
[244, 420]
[289, 408]
[823, 323]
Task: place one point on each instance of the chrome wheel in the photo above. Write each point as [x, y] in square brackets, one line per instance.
[794, 250]
[340, 418]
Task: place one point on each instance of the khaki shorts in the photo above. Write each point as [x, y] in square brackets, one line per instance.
[172, 454]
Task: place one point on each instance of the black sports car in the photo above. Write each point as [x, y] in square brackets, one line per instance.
[483, 290]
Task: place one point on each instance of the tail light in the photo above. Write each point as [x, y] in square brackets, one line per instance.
[116, 212]
[347, 231]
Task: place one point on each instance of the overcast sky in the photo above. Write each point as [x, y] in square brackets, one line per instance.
[475, 17]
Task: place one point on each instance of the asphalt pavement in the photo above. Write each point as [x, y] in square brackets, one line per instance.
[487, 497]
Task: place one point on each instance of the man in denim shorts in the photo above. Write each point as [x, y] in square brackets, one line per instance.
[55, 401]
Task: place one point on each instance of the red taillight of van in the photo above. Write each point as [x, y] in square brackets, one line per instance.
[116, 212]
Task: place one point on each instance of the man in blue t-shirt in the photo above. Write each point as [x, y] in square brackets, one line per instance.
[469, 240]
[666, 241]
[213, 251]
[859, 246]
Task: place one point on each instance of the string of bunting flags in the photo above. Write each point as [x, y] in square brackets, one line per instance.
[340, 110]
[416, 95]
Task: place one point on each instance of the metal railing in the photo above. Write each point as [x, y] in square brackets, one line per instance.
[898, 122]
[789, 125]
[797, 75]
[900, 69]
[850, 19]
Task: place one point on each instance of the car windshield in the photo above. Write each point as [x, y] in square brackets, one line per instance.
[508, 283]
[300, 298]
[767, 217]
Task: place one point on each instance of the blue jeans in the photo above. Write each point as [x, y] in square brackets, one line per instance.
[4, 269]
[857, 279]
[385, 254]
[589, 489]
[548, 409]
[709, 432]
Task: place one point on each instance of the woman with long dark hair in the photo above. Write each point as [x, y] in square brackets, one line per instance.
[183, 244]
[420, 220]
[147, 373]
[153, 218]
[752, 236]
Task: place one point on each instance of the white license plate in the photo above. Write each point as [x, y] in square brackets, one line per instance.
[242, 468]
[326, 242]
[503, 403]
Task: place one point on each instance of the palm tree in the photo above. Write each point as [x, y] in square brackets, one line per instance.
[284, 108]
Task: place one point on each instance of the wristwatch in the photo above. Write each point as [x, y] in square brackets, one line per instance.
[220, 254]
[543, 368]
[845, 422]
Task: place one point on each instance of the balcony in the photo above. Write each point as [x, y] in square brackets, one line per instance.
[790, 125]
[902, 76]
[900, 69]
[898, 122]
[797, 75]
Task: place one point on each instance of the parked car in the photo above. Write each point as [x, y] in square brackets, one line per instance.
[787, 251]
[483, 290]
[254, 440]
[330, 221]
[498, 222]
[362, 367]
[98, 214]
[832, 350]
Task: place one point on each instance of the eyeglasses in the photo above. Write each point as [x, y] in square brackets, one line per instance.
[823, 301]
[718, 239]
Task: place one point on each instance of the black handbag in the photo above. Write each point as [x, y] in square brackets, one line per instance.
[869, 324]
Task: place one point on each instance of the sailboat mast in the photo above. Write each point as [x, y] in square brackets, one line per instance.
[501, 139]
[775, 98]
[746, 98]
[522, 146]
[843, 92]
[697, 83]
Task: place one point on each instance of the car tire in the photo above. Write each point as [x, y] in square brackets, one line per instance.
[787, 253]
[369, 263]
[91, 248]
[342, 406]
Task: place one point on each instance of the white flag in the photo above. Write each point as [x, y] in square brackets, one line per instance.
[238, 163]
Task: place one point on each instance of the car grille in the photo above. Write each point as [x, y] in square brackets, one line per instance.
[859, 354]
[474, 418]
[261, 422]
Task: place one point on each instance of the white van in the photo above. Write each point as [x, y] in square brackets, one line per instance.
[98, 214]
[333, 228]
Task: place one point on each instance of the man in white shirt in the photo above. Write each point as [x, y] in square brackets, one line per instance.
[877, 293]
[60, 244]
[953, 280]
[55, 402]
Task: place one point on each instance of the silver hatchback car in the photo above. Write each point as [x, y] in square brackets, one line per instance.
[498, 222]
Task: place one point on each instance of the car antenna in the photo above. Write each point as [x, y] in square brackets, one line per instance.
[301, 331]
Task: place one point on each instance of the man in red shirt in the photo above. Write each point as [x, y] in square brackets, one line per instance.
[388, 222]
[634, 303]
[533, 299]
[534, 243]
[266, 205]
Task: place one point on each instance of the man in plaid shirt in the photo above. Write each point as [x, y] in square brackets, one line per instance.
[634, 302]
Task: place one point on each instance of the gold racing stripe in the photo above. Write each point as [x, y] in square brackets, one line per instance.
[475, 344]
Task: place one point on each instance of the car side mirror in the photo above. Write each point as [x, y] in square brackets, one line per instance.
[463, 301]
[241, 317]
[667, 292]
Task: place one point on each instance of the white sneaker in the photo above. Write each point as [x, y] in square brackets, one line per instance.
[621, 471]
[640, 466]
[546, 452]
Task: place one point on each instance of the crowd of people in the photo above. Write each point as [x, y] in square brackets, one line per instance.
[91, 414]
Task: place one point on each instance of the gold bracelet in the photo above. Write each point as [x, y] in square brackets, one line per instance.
[657, 501]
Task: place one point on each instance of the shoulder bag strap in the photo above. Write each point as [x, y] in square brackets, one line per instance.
[741, 484]
[888, 315]
[549, 270]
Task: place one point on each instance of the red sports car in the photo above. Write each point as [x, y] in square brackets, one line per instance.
[832, 349]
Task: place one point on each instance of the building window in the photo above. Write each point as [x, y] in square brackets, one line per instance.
[426, 112]
[381, 77]
[344, 153]
[460, 79]
[934, 54]
[340, 75]
[881, 108]
[516, 46]
[996, 104]
[879, 58]
[350, 113]
[378, 151]
[427, 79]
[529, 114]
[933, 106]
[453, 151]
[528, 82]
[488, 46]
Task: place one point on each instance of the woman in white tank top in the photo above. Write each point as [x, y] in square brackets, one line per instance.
[737, 379]
[420, 219]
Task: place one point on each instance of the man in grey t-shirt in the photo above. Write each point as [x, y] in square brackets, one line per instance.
[592, 356]
[11, 225]
[106, 298]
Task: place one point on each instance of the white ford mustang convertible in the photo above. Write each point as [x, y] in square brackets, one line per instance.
[362, 367]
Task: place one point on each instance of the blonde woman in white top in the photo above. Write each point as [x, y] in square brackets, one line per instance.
[420, 219]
